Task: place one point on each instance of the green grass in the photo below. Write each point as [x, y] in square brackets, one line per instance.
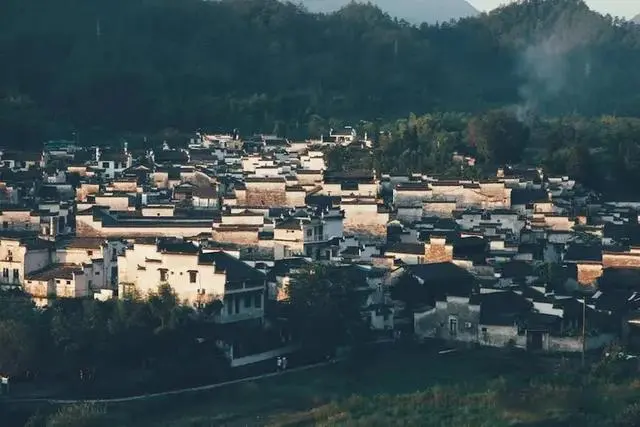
[403, 387]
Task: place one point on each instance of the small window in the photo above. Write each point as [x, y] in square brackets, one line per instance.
[5, 224]
[90, 253]
[453, 326]
[5, 272]
[57, 281]
[68, 282]
[192, 276]
[16, 274]
[309, 232]
[258, 301]
[97, 272]
[163, 275]
[247, 302]
[105, 165]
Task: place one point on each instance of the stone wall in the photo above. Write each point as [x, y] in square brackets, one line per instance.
[435, 323]
[438, 251]
[621, 260]
[265, 194]
[439, 209]
[588, 273]
[501, 336]
[239, 237]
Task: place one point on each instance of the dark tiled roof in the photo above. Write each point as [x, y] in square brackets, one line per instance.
[583, 253]
[83, 243]
[527, 196]
[236, 270]
[289, 224]
[406, 248]
[517, 269]
[445, 279]
[619, 279]
[177, 246]
[56, 271]
[502, 308]
[23, 156]
[284, 266]
[331, 177]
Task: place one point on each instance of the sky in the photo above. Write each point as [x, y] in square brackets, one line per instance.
[624, 8]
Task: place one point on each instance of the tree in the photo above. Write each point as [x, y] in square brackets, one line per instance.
[325, 308]
[499, 137]
[17, 347]
[164, 305]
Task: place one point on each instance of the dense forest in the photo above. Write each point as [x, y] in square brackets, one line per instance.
[259, 65]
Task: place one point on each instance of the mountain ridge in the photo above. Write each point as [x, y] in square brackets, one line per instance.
[260, 65]
[413, 11]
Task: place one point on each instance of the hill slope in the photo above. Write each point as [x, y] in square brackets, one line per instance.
[256, 64]
[414, 11]
[636, 19]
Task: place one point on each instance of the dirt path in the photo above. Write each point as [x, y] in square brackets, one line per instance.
[168, 393]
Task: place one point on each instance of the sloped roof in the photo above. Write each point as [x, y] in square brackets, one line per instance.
[235, 269]
[444, 279]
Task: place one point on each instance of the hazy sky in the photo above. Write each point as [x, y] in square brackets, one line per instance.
[625, 8]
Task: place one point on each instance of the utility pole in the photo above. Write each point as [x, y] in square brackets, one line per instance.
[584, 327]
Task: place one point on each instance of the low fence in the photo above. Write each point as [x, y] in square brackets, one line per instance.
[574, 344]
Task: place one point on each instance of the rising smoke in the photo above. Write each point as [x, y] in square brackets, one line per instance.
[545, 64]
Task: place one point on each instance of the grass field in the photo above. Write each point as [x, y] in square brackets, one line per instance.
[414, 386]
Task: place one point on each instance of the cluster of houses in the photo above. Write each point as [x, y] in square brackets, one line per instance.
[523, 259]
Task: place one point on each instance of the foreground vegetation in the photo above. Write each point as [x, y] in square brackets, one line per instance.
[409, 386]
[80, 347]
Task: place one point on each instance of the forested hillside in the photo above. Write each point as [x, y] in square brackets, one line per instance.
[414, 11]
[140, 65]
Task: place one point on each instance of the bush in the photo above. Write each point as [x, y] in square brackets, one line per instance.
[81, 415]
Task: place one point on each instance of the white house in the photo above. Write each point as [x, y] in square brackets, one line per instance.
[197, 276]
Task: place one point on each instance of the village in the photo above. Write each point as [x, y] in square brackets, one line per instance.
[523, 260]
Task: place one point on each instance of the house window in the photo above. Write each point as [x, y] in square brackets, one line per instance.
[163, 275]
[247, 301]
[229, 306]
[105, 165]
[90, 253]
[309, 232]
[5, 272]
[5, 224]
[258, 301]
[485, 335]
[97, 273]
[236, 303]
[192, 276]
[453, 326]
[68, 282]
[16, 274]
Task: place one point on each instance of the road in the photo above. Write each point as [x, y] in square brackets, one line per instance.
[167, 393]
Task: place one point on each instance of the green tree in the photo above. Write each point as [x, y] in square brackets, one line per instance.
[325, 308]
[18, 348]
[499, 137]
